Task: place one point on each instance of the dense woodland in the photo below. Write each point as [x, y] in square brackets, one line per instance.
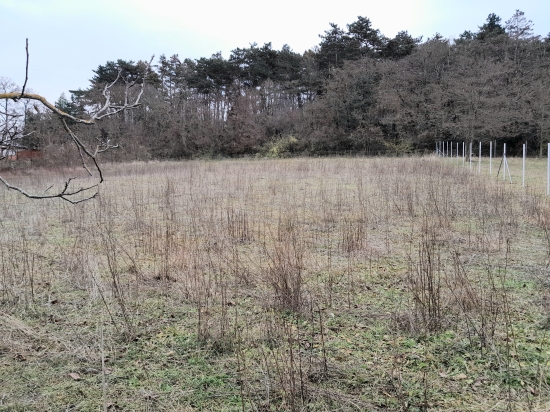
[357, 91]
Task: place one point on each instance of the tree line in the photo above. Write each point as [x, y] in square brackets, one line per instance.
[357, 91]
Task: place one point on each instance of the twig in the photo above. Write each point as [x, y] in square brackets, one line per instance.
[26, 69]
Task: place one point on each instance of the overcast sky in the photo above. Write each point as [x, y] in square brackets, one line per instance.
[70, 38]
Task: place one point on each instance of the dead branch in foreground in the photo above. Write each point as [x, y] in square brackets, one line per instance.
[87, 154]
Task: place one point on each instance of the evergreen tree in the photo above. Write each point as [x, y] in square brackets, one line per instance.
[369, 39]
[336, 47]
[400, 46]
[466, 37]
[67, 105]
[491, 28]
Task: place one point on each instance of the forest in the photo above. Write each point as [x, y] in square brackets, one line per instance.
[356, 92]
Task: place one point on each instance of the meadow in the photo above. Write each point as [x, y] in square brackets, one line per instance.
[334, 284]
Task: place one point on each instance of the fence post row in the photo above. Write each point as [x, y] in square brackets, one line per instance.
[445, 149]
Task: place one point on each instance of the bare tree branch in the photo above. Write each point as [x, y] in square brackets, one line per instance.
[26, 67]
[64, 194]
[10, 114]
[68, 192]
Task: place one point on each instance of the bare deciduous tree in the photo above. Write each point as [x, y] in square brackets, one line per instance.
[11, 132]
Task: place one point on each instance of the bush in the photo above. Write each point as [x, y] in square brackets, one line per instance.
[282, 147]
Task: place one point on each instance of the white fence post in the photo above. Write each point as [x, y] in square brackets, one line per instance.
[523, 166]
[505, 162]
[548, 173]
[479, 160]
[471, 155]
[491, 157]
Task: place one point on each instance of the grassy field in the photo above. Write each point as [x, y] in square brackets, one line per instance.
[402, 284]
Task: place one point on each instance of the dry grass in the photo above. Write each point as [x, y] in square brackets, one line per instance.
[299, 284]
